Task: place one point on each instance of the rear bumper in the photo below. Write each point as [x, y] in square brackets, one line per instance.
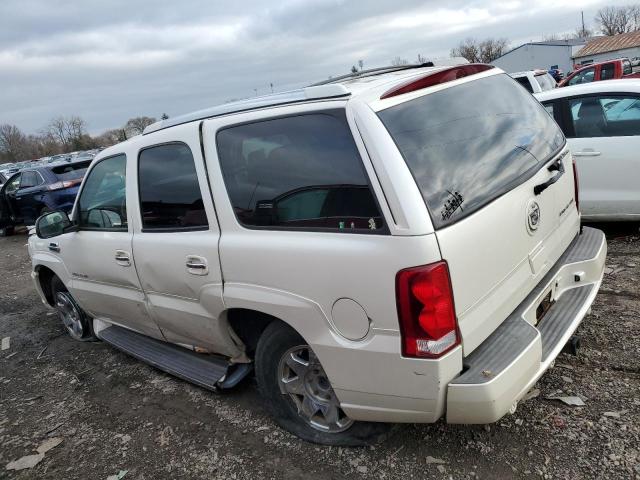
[509, 362]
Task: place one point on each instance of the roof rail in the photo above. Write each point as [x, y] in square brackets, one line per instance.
[437, 62]
[314, 92]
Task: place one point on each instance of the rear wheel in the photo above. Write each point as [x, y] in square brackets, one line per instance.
[299, 395]
[75, 320]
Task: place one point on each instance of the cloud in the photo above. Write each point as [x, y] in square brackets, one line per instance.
[109, 61]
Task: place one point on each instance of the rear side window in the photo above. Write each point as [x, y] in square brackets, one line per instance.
[30, 179]
[607, 71]
[299, 172]
[72, 171]
[627, 69]
[469, 144]
[606, 116]
[170, 196]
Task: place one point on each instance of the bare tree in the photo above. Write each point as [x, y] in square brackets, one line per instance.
[398, 62]
[13, 144]
[617, 20]
[136, 125]
[483, 51]
[68, 131]
[421, 59]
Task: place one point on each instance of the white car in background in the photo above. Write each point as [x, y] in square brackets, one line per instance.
[535, 81]
[601, 121]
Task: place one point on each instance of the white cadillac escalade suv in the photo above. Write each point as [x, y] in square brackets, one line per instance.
[397, 246]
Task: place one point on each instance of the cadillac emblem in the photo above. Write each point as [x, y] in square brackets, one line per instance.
[533, 216]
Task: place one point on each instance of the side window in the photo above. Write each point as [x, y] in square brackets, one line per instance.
[524, 81]
[14, 184]
[301, 172]
[170, 196]
[626, 67]
[613, 116]
[30, 179]
[585, 76]
[608, 71]
[102, 204]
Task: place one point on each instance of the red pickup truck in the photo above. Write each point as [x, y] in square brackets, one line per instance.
[609, 70]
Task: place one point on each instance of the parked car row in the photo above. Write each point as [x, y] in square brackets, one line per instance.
[400, 245]
[37, 190]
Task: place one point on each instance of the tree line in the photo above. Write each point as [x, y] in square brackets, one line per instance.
[62, 135]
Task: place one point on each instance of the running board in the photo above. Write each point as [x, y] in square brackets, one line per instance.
[204, 370]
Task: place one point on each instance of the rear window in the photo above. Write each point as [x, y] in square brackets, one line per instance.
[469, 144]
[71, 171]
[546, 82]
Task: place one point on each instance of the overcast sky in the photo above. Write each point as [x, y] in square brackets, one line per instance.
[109, 60]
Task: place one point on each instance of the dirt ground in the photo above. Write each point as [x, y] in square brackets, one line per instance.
[102, 413]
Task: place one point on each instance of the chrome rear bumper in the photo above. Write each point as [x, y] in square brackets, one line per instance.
[509, 362]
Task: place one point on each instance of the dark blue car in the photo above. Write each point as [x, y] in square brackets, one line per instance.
[37, 190]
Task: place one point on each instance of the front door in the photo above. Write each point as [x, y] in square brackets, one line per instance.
[99, 255]
[8, 198]
[28, 208]
[605, 145]
[176, 244]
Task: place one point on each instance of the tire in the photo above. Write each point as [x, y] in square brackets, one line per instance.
[6, 231]
[75, 321]
[292, 410]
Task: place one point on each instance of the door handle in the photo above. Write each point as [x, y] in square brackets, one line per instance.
[197, 265]
[587, 153]
[54, 247]
[123, 258]
[557, 166]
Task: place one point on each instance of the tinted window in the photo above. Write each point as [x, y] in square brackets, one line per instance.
[612, 116]
[102, 203]
[585, 76]
[469, 144]
[302, 171]
[524, 81]
[170, 196]
[30, 179]
[71, 171]
[607, 71]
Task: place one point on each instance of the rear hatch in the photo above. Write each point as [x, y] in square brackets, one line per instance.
[477, 151]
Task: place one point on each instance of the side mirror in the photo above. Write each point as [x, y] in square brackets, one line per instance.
[52, 224]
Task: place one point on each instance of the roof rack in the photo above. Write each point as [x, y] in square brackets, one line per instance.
[313, 92]
[447, 62]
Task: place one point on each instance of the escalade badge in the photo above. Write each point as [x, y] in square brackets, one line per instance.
[533, 216]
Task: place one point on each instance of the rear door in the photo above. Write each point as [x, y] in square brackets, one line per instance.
[604, 131]
[497, 179]
[175, 244]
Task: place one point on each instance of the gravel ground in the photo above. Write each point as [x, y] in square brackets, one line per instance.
[94, 412]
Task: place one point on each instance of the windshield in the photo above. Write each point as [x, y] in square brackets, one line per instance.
[469, 144]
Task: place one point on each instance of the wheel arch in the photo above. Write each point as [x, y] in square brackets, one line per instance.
[251, 308]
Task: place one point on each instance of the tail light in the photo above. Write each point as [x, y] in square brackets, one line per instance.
[576, 186]
[64, 184]
[441, 76]
[428, 325]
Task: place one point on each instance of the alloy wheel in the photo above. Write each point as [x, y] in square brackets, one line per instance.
[302, 377]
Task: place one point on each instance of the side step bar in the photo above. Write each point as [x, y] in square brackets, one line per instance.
[207, 371]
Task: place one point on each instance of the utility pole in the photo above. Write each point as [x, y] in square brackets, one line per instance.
[582, 32]
[271, 84]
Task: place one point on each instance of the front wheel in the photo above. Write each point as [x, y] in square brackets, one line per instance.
[299, 395]
[75, 320]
